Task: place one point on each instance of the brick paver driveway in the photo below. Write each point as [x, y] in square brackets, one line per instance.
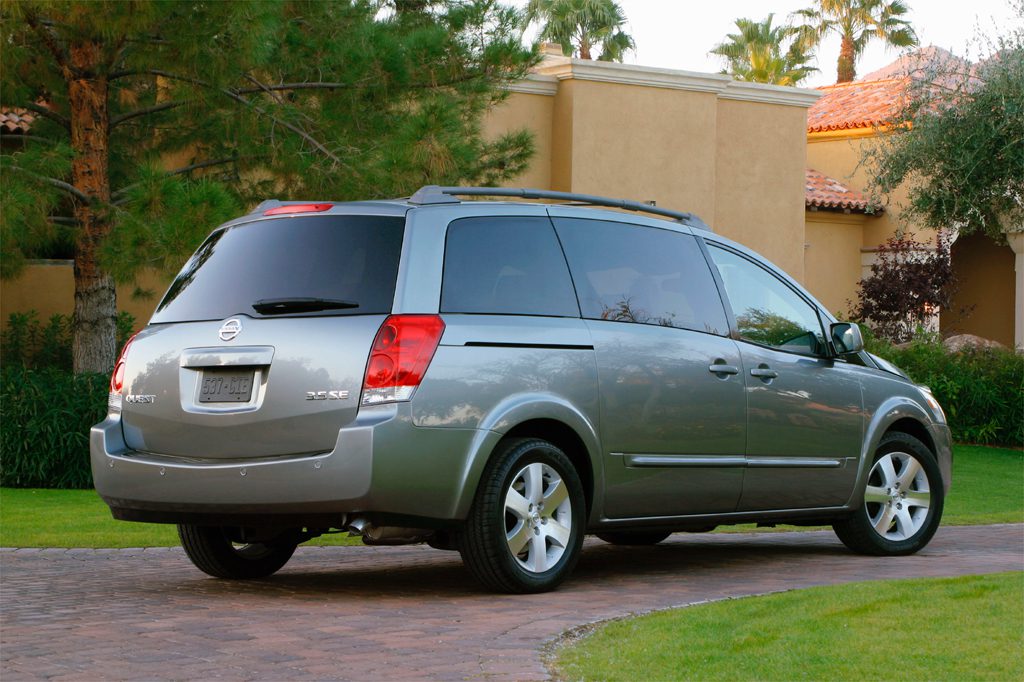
[369, 613]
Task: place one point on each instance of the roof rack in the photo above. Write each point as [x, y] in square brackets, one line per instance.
[436, 194]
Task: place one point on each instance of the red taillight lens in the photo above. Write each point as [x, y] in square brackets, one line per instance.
[117, 378]
[299, 208]
[401, 353]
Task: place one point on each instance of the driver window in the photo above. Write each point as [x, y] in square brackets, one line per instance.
[767, 311]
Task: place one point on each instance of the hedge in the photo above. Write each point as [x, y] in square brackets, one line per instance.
[45, 416]
[981, 390]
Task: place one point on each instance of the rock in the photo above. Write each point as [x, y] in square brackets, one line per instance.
[961, 342]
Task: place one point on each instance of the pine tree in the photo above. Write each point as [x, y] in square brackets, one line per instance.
[157, 120]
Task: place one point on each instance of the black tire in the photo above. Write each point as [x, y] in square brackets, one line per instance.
[634, 538]
[484, 543]
[858, 532]
[213, 552]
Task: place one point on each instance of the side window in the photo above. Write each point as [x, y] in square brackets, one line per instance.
[506, 266]
[767, 311]
[646, 275]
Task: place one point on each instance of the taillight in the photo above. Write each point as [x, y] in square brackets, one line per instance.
[117, 378]
[401, 352]
[299, 208]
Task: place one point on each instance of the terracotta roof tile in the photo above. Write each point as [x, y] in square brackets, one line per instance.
[15, 120]
[861, 104]
[821, 191]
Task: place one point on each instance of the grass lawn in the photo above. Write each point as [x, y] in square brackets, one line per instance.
[968, 628]
[988, 487]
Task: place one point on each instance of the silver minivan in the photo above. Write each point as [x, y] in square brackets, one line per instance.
[501, 378]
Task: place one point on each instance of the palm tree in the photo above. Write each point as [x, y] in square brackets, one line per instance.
[580, 26]
[857, 22]
[757, 54]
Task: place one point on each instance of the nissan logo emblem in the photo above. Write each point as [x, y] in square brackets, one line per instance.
[230, 329]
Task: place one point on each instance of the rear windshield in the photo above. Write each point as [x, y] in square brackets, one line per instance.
[335, 258]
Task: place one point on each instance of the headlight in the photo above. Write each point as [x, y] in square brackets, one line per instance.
[927, 393]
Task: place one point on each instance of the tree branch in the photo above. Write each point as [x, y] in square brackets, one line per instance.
[118, 120]
[259, 110]
[47, 113]
[33, 138]
[182, 171]
[53, 182]
[50, 39]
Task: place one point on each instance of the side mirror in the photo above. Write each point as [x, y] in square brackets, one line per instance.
[846, 338]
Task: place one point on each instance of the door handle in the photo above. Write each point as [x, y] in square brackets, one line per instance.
[723, 369]
[764, 373]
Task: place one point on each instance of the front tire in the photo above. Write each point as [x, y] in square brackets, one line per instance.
[525, 529]
[214, 552]
[903, 500]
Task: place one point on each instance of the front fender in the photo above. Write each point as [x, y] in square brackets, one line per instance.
[519, 409]
[888, 413]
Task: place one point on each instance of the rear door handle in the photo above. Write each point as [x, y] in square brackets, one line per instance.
[723, 369]
[764, 373]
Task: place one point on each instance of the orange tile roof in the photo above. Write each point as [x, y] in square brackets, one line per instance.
[821, 191]
[15, 120]
[861, 104]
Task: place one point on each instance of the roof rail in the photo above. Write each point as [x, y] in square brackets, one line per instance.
[436, 194]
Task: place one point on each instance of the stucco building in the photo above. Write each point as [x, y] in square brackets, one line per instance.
[772, 167]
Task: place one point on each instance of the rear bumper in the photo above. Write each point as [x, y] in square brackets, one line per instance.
[381, 465]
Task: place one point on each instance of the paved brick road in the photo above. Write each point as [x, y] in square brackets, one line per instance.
[371, 613]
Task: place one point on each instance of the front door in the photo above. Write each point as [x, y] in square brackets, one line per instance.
[805, 416]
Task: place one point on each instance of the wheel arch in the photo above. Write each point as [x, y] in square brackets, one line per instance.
[902, 415]
[545, 416]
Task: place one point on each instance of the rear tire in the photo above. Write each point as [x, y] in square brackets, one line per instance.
[213, 552]
[525, 529]
[903, 500]
[634, 538]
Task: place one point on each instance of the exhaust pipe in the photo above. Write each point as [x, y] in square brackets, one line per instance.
[387, 535]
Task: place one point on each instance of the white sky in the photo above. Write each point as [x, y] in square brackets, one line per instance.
[677, 34]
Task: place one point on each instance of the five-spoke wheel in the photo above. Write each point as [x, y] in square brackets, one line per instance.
[903, 500]
[525, 528]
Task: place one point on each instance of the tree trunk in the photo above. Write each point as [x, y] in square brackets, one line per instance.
[93, 349]
[847, 66]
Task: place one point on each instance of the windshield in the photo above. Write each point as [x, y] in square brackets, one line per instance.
[349, 262]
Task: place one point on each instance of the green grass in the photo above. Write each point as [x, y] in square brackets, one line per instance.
[988, 487]
[968, 628]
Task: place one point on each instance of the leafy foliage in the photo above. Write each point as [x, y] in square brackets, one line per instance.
[45, 417]
[581, 26]
[959, 143]
[980, 389]
[857, 22]
[29, 343]
[759, 53]
[157, 120]
[908, 284]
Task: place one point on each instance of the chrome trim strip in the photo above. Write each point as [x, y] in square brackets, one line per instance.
[227, 357]
[794, 462]
[684, 461]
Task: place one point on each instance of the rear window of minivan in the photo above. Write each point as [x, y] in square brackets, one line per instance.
[347, 258]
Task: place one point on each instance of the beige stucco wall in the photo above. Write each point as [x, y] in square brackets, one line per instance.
[759, 179]
[832, 264]
[985, 273]
[48, 287]
[534, 113]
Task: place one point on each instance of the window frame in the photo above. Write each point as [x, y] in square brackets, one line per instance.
[684, 232]
[504, 216]
[829, 351]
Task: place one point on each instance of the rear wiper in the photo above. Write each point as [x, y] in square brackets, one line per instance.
[280, 306]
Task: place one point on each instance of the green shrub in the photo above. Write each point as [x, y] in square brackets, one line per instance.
[30, 343]
[45, 416]
[981, 390]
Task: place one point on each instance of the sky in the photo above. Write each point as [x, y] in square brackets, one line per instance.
[677, 34]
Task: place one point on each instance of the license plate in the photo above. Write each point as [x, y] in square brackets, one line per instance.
[222, 386]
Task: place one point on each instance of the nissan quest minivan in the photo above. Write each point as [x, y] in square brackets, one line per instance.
[501, 378]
